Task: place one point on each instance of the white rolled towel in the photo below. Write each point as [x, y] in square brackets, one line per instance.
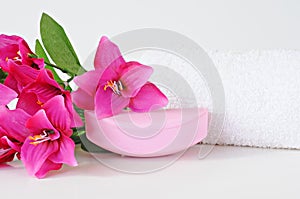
[262, 92]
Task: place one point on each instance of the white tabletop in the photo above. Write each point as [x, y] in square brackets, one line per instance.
[228, 171]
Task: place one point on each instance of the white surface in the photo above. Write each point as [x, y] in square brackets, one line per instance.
[214, 24]
[228, 172]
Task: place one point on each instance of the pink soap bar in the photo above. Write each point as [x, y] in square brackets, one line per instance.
[152, 134]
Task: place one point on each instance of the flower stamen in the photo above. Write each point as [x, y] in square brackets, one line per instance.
[16, 59]
[43, 137]
[115, 86]
[39, 103]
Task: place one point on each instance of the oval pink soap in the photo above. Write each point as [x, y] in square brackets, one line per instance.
[152, 134]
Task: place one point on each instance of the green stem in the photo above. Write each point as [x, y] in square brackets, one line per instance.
[62, 70]
[78, 132]
[69, 80]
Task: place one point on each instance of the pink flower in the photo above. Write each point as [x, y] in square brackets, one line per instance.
[16, 59]
[12, 133]
[50, 145]
[35, 95]
[116, 84]
[20, 76]
[6, 95]
[16, 49]
[12, 126]
[9, 48]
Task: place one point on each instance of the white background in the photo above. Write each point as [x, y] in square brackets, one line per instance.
[232, 25]
[214, 24]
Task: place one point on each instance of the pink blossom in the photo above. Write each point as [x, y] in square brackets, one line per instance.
[6, 95]
[16, 49]
[9, 48]
[18, 61]
[116, 84]
[35, 95]
[50, 144]
[12, 132]
[19, 76]
[12, 126]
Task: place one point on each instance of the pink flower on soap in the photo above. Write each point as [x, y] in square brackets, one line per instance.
[116, 84]
[50, 145]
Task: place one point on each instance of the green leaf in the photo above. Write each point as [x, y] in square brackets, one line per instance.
[90, 147]
[59, 46]
[3, 75]
[39, 50]
[78, 132]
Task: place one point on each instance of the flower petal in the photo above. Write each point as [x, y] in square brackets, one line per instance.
[135, 75]
[83, 100]
[10, 143]
[29, 103]
[74, 117]
[148, 98]
[44, 87]
[34, 156]
[12, 83]
[58, 114]
[65, 154]
[7, 41]
[13, 123]
[109, 74]
[76, 120]
[45, 76]
[7, 155]
[89, 81]
[6, 95]
[22, 73]
[9, 47]
[108, 54]
[46, 167]
[8, 149]
[40, 122]
[36, 63]
[108, 104]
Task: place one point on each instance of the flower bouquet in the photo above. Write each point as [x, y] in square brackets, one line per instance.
[42, 115]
